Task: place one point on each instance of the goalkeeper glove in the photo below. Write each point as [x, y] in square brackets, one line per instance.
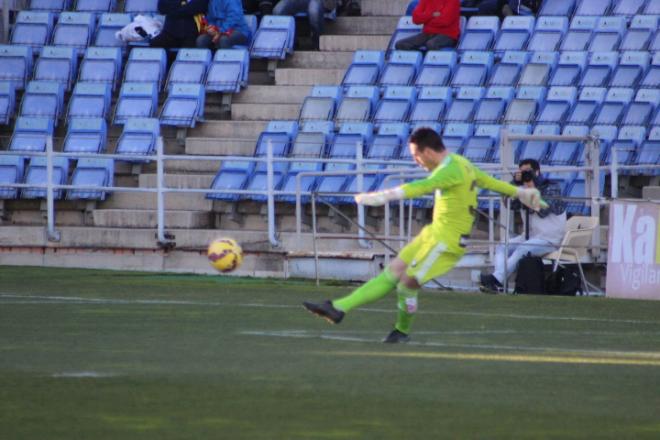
[531, 197]
[379, 198]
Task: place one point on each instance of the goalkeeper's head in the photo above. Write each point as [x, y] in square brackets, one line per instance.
[426, 148]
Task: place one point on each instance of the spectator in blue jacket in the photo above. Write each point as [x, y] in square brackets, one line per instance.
[181, 26]
[226, 26]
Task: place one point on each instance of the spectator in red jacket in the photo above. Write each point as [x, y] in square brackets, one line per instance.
[441, 20]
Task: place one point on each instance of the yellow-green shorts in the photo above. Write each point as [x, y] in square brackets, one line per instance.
[431, 254]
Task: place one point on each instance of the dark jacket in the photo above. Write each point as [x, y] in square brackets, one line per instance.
[548, 189]
[179, 21]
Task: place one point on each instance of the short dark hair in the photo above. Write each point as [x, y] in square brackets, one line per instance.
[426, 137]
[531, 162]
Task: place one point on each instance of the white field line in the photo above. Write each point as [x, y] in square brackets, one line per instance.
[8, 298]
[83, 374]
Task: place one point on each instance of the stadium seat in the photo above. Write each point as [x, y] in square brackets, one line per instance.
[539, 69]
[642, 108]
[522, 109]
[275, 37]
[101, 64]
[599, 69]
[479, 147]
[464, 104]
[401, 69]
[614, 106]
[228, 71]
[146, 65]
[652, 77]
[49, 5]
[639, 33]
[507, 71]
[562, 8]
[455, 134]
[405, 28]
[321, 105]
[280, 135]
[312, 139]
[514, 34]
[491, 108]
[558, 103]
[184, 105]
[654, 45]
[252, 24]
[36, 175]
[515, 145]
[436, 69]
[652, 8]
[7, 101]
[608, 34]
[135, 7]
[587, 105]
[12, 169]
[86, 135]
[136, 100]
[537, 150]
[358, 104]
[576, 189]
[74, 29]
[364, 69]
[628, 8]
[606, 135]
[630, 70]
[32, 28]
[109, 25]
[30, 134]
[89, 100]
[95, 6]
[569, 68]
[189, 67]
[472, 69]
[43, 99]
[57, 64]
[647, 154]
[138, 138]
[548, 33]
[15, 64]
[431, 105]
[395, 105]
[232, 175]
[479, 33]
[387, 143]
[91, 172]
[627, 142]
[566, 152]
[590, 7]
[579, 33]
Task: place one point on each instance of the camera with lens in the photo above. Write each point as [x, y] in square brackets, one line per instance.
[525, 176]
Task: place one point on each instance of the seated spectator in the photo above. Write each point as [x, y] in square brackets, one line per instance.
[441, 20]
[546, 227]
[226, 26]
[182, 22]
[314, 9]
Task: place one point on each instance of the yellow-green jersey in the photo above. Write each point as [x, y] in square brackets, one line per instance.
[455, 183]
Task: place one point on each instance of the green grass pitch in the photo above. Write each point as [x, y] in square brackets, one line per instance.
[115, 355]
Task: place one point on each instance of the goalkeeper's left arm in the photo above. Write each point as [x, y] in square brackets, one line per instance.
[530, 197]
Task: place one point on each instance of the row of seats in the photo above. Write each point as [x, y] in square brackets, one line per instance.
[97, 6]
[626, 8]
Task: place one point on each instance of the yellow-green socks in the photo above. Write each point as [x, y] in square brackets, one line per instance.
[371, 291]
[407, 307]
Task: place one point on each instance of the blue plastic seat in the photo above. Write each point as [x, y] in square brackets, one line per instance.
[587, 105]
[7, 101]
[405, 28]
[537, 150]
[32, 28]
[228, 72]
[146, 65]
[599, 69]
[491, 108]
[86, 135]
[608, 34]
[479, 34]
[312, 139]
[15, 64]
[558, 102]
[30, 134]
[652, 8]
[109, 25]
[606, 135]
[652, 76]
[232, 175]
[539, 69]
[95, 6]
[648, 153]
[280, 135]
[43, 99]
[139, 137]
[464, 104]
[515, 145]
[36, 175]
[473, 69]
[576, 189]
[630, 70]
[436, 69]
[189, 67]
[455, 134]
[395, 105]
[654, 45]
[358, 104]
[143, 7]
[479, 147]
[49, 5]
[641, 30]
[548, 33]
[275, 37]
[614, 106]
[89, 100]
[639, 111]
[364, 69]
[321, 105]
[562, 8]
[289, 181]
[590, 7]
[12, 169]
[387, 143]
[74, 29]
[514, 34]
[579, 33]
[184, 105]
[401, 68]
[507, 71]
[101, 64]
[57, 64]
[97, 172]
[569, 69]
[523, 108]
[567, 152]
[628, 8]
[627, 143]
[136, 100]
[431, 104]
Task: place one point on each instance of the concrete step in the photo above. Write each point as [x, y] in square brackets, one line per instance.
[178, 180]
[264, 112]
[173, 201]
[139, 218]
[299, 76]
[210, 146]
[362, 26]
[330, 43]
[318, 60]
[272, 95]
[229, 129]
[384, 7]
[187, 166]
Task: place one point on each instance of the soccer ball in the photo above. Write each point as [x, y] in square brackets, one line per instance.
[225, 254]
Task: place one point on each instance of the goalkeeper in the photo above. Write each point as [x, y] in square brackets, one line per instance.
[440, 245]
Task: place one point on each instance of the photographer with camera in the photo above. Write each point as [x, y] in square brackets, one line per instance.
[544, 230]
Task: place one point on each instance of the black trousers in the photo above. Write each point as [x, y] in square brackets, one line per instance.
[430, 41]
[167, 40]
